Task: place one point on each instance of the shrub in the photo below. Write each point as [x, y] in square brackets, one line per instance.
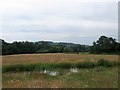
[105, 63]
[64, 65]
[85, 65]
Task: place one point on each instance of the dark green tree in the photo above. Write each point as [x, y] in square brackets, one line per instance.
[104, 45]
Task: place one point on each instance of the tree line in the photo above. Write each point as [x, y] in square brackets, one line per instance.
[26, 47]
[102, 45]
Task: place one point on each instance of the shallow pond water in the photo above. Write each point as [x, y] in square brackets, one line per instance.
[57, 72]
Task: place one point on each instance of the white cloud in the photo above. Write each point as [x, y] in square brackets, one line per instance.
[58, 19]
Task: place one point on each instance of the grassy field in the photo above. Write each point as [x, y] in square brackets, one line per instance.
[54, 58]
[95, 77]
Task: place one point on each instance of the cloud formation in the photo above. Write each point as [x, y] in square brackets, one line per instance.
[58, 20]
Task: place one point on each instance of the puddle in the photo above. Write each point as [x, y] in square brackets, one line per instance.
[53, 73]
[46, 71]
[57, 72]
[74, 70]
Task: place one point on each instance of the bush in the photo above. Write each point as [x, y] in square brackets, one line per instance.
[12, 68]
[105, 63]
[64, 65]
[85, 65]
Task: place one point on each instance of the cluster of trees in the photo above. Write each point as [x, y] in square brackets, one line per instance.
[26, 47]
[103, 45]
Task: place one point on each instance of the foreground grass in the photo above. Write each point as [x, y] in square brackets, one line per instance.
[23, 71]
[99, 77]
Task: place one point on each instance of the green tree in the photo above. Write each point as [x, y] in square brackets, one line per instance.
[104, 45]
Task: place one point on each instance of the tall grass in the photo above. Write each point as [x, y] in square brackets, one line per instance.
[52, 66]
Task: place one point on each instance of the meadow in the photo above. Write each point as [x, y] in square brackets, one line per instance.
[27, 71]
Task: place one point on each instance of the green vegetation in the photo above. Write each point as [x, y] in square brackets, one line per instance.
[102, 45]
[51, 66]
[23, 71]
[81, 70]
[99, 77]
[105, 45]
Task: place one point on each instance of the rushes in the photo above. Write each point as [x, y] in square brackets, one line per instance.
[106, 63]
[52, 66]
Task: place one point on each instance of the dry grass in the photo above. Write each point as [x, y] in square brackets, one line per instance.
[86, 78]
[71, 58]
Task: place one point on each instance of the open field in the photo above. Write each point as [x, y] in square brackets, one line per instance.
[54, 58]
[93, 77]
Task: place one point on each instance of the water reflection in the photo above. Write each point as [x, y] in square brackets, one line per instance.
[74, 70]
[55, 73]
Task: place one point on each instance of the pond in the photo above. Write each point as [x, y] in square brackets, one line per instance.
[58, 72]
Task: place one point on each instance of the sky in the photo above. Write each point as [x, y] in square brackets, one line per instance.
[75, 21]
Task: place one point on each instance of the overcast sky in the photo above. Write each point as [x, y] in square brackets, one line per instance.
[75, 21]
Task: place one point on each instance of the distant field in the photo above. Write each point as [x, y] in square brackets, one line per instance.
[95, 77]
[69, 58]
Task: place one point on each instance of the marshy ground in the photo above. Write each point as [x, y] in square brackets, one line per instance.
[94, 77]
